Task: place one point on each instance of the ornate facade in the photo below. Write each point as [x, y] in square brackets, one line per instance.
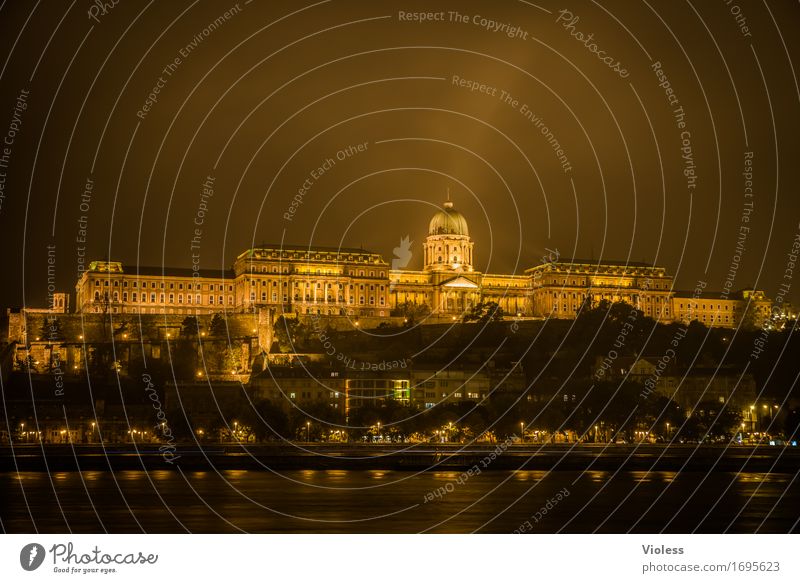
[559, 288]
[321, 280]
[716, 310]
[448, 282]
[330, 281]
[110, 287]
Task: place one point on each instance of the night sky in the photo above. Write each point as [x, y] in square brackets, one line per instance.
[253, 98]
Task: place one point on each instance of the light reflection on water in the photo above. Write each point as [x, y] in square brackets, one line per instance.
[598, 477]
[653, 476]
[394, 501]
[529, 475]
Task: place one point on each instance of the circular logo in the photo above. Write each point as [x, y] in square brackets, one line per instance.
[31, 556]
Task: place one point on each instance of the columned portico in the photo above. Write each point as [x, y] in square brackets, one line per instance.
[458, 295]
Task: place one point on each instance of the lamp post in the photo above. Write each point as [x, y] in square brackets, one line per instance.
[667, 429]
[522, 432]
[308, 431]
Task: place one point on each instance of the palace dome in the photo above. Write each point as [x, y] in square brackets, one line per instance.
[448, 221]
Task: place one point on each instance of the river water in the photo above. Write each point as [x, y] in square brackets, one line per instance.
[347, 501]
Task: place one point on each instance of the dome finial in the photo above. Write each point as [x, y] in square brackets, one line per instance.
[448, 203]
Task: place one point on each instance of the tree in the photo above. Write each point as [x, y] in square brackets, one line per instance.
[29, 364]
[484, 313]
[750, 320]
[411, 311]
[101, 361]
[51, 330]
[266, 420]
[218, 327]
[586, 305]
[122, 328]
[292, 335]
[712, 419]
[189, 326]
[183, 358]
[232, 359]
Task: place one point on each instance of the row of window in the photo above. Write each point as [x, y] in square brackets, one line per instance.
[307, 256]
[160, 298]
[317, 299]
[456, 395]
[319, 285]
[578, 282]
[144, 310]
[320, 271]
[695, 306]
[164, 285]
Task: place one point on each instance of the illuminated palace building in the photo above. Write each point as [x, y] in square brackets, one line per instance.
[355, 282]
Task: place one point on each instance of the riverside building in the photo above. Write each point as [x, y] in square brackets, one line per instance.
[330, 281]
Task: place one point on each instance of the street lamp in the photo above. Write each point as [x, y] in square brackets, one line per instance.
[522, 431]
[308, 431]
